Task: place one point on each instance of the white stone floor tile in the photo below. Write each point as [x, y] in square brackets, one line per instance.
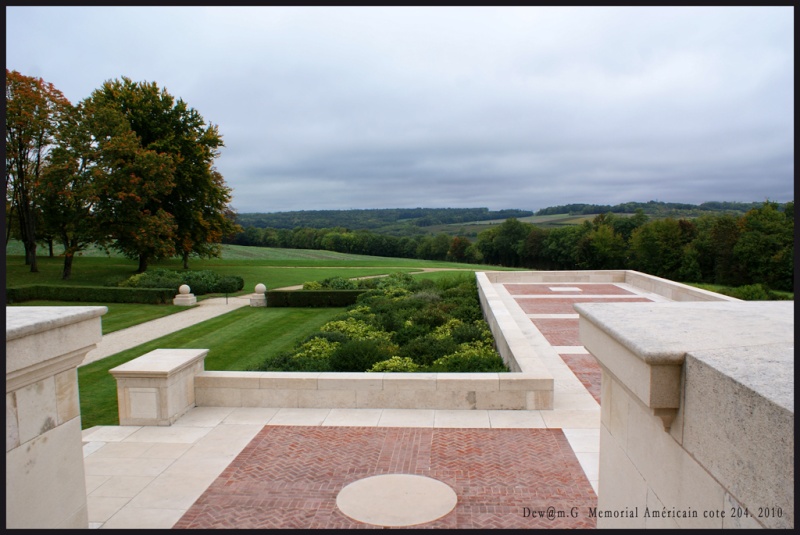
[406, 418]
[572, 419]
[223, 440]
[516, 419]
[122, 486]
[141, 518]
[250, 415]
[111, 433]
[128, 450]
[95, 525]
[101, 508]
[109, 466]
[168, 451]
[577, 400]
[201, 467]
[353, 417]
[583, 440]
[590, 462]
[184, 434]
[299, 417]
[173, 491]
[461, 418]
[92, 482]
[91, 447]
[204, 416]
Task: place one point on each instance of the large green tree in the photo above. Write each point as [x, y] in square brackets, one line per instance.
[180, 197]
[68, 190]
[33, 111]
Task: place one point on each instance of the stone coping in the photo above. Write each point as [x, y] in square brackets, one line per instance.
[662, 333]
[159, 363]
[23, 321]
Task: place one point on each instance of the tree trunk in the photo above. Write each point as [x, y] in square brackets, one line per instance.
[142, 263]
[50, 245]
[67, 272]
[30, 256]
[185, 260]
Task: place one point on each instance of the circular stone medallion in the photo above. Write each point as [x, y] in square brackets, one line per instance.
[396, 500]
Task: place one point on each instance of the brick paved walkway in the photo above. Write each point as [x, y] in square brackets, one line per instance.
[288, 477]
[544, 299]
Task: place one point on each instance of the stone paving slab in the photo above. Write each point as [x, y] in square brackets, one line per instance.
[289, 477]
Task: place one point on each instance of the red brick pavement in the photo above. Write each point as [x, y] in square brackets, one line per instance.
[563, 305]
[289, 477]
[559, 332]
[585, 289]
[587, 370]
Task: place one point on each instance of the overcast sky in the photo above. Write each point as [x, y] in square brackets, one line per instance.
[508, 107]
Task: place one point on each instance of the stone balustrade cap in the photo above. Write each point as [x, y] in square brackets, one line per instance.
[159, 363]
[24, 321]
[662, 333]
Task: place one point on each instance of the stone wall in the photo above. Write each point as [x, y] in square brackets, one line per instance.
[697, 413]
[45, 485]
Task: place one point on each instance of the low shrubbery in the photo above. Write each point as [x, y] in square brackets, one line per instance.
[100, 294]
[200, 282]
[399, 324]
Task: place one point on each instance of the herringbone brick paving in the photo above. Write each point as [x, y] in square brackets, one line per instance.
[289, 477]
[587, 370]
[584, 289]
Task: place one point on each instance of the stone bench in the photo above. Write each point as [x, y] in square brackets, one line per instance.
[158, 387]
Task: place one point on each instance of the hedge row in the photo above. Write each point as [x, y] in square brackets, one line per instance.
[312, 298]
[98, 294]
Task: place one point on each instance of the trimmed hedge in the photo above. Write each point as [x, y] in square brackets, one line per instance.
[101, 294]
[312, 298]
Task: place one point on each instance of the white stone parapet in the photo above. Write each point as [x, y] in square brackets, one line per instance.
[697, 413]
[45, 480]
[158, 387]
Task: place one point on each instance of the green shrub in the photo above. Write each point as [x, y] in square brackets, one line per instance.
[426, 349]
[751, 292]
[313, 298]
[359, 355]
[395, 364]
[356, 329]
[471, 357]
[229, 284]
[97, 294]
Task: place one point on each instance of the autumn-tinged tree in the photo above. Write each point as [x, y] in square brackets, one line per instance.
[187, 207]
[68, 189]
[33, 110]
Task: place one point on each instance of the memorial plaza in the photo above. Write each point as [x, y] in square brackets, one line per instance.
[632, 401]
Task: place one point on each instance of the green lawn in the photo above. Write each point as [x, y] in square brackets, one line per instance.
[236, 341]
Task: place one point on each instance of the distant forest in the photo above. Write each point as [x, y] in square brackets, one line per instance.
[653, 208]
[373, 219]
[731, 244]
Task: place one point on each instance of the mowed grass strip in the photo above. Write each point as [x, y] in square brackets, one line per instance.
[119, 315]
[236, 341]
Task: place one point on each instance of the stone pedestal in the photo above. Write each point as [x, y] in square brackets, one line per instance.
[184, 298]
[259, 299]
[45, 480]
[157, 388]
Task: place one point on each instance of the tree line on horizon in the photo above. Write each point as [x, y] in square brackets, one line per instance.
[129, 168]
[732, 250]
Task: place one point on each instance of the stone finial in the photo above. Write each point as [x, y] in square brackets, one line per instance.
[260, 288]
[184, 289]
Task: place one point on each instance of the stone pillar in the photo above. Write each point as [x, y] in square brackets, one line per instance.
[260, 297]
[45, 480]
[184, 298]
